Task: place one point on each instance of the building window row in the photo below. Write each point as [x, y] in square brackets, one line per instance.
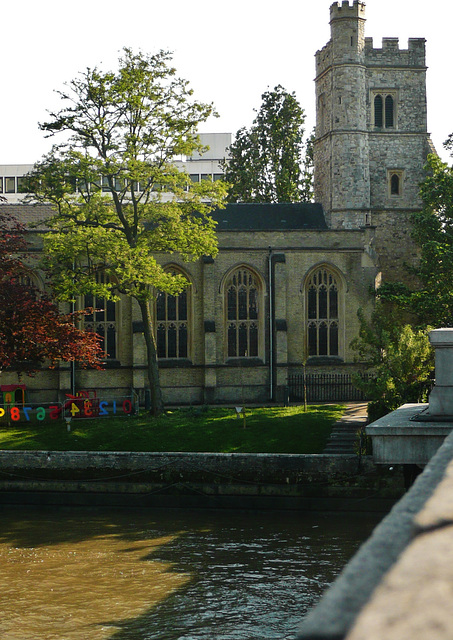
[244, 317]
[16, 184]
[118, 184]
[198, 177]
[12, 184]
[244, 323]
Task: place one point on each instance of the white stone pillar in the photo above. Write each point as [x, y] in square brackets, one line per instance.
[441, 397]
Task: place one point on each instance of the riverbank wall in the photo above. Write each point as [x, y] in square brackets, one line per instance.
[320, 482]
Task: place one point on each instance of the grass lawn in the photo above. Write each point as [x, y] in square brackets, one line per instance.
[210, 429]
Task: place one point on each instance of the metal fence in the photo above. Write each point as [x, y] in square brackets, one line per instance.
[324, 387]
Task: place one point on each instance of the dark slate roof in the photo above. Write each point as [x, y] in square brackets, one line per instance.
[270, 217]
[235, 217]
[28, 214]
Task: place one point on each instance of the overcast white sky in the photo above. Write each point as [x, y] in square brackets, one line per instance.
[231, 52]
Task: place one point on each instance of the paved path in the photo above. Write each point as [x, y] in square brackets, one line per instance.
[344, 432]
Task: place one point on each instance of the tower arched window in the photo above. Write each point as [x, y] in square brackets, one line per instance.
[322, 303]
[384, 109]
[172, 324]
[395, 179]
[243, 314]
[395, 184]
[378, 111]
[103, 319]
[389, 111]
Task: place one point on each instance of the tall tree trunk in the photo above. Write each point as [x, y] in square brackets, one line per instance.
[157, 405]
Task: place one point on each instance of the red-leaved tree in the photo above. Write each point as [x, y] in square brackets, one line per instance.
[32, 330]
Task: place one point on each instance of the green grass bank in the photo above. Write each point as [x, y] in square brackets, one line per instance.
[194, 429]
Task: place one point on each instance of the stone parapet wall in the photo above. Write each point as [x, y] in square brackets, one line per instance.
[391, 55]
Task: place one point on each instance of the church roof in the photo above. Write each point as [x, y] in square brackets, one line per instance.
[269, 217]
[251, 216]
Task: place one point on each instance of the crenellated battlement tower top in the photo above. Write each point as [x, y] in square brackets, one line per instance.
[347, 43]
[342, 10]
[390, 54]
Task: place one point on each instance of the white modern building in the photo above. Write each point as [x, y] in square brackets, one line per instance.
[199, 167]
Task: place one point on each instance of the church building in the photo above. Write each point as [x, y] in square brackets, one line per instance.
[284, 290]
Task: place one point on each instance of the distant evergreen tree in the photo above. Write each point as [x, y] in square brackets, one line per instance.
[271, 161]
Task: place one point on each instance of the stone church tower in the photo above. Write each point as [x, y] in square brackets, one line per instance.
[371, 133]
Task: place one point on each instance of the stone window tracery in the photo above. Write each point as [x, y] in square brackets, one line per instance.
[243, 314]
[172, 324]
[322, 303]
[103, 319]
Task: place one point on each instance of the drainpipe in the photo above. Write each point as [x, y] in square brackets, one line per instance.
[271, 326]
[272, 259]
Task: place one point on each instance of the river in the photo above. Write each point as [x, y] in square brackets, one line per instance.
[155, 574]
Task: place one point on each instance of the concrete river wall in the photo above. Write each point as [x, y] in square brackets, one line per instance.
[264, 481]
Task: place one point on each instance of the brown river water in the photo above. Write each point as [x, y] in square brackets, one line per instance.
[154, 574]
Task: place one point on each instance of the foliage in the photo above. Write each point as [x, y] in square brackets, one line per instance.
[119, 198]
[269, 430]
[400, 356]
[432, 299]
[32, 330]
[270, 162]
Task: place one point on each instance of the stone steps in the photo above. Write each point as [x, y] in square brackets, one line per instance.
[343, 438]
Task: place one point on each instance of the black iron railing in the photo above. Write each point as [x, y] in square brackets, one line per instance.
[324, 387]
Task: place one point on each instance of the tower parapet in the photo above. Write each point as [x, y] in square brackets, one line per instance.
[323, 58]
[391, 55]
[343, 9]
[347, 28]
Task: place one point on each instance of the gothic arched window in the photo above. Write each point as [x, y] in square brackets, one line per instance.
[102, 320]
[322, 303]
[384, 109]
[388, 111]
[172, 324]
[243, 314]
[395, 185]
[378, 111]
[395, 181]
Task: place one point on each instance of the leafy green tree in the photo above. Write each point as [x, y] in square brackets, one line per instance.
[270, 162]
[400, 357]
[118, 197]
[431, 300]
